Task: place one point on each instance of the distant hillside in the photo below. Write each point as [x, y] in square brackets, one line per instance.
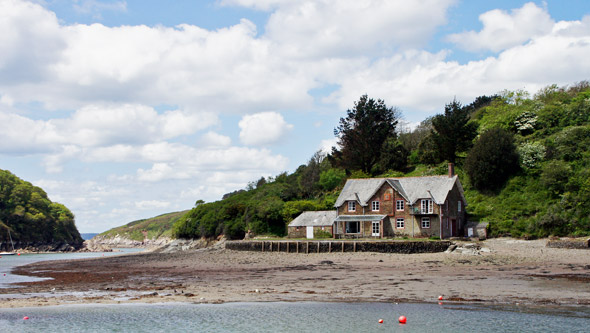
[33, 220]
[155, 227]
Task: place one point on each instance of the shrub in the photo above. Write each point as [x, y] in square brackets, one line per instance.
[492, 160]
[531, 154]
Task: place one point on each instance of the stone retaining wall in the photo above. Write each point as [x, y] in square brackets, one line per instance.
[339, 246]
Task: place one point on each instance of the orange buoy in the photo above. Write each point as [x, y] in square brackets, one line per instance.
[402, 319]
[440, 298]
[25, 318]
[380, 321]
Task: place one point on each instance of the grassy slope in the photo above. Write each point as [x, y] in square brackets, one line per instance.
[159, 226]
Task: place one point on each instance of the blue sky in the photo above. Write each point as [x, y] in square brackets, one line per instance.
[123, 110]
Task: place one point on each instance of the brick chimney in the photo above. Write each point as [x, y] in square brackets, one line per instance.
[451, 170]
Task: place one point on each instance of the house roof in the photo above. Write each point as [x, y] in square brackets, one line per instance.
[316, 219]
[412, 189]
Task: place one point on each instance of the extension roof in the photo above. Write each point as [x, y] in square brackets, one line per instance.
[412, 189]
[317, 219]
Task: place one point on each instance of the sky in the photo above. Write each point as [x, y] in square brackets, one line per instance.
[124, 110]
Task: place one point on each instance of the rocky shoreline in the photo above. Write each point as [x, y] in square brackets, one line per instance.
[495, 271]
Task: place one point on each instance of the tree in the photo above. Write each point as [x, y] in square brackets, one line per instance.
[492, 160]
[362, 134]
[452, 131]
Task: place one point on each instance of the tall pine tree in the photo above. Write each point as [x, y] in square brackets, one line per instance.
[363, 132]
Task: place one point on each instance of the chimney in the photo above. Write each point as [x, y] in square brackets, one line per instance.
[451, 170]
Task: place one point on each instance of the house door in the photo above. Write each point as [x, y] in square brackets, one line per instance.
[453, 227]
[309, 232]
[375, 231]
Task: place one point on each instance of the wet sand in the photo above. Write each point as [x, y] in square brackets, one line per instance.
[511, 272]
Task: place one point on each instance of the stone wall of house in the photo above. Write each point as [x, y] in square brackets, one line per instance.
[339, 246]
[296, 232]
[301, 232]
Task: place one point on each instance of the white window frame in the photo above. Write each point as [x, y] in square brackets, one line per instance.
[425, 223]
[399, 205]
[459, 205]
[375, 206]
[375, 229]
[400, 223]
[426, 206]
[352, 206]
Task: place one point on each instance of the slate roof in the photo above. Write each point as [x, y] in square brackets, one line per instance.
[316, 219]
[412, 189]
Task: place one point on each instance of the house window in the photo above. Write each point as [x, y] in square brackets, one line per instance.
[399, 205]
[426, 206]
[352, 206]
[353, 227]
[426, 222]
[399, 223]
[375, 206]
[458, 206]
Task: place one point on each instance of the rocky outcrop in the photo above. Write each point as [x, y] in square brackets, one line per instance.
[191, 244]
[30, 247]
[102, 243]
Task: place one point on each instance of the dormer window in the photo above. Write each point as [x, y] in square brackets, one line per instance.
[426, 206]
[352, 206]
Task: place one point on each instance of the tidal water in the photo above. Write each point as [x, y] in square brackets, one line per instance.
[292, 317]
[7, 263]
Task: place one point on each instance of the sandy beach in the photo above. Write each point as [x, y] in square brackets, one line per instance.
[504, 271]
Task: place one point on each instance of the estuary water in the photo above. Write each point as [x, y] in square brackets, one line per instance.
[292, 317]
[7, 263]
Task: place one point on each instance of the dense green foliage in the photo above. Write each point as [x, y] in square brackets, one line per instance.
[492, 160]
[155, 227]
[528, 174]
[31, 217]
[452, 132]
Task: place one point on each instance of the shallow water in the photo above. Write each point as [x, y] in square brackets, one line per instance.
[292, 317]
[7, 263]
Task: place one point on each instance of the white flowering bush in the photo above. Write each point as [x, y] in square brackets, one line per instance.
[531, 154]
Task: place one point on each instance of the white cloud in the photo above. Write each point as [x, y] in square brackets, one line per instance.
[212, 139]
[502, 30]
[424, 82]
[263, 128]
[151, 204]
[30, 43]
[98, 126]
[336, 28]
[326, 145]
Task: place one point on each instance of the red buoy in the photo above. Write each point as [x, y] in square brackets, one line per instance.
[380, 321]
[25, 318]
[440, 298]
[402, 319]
[18, 254]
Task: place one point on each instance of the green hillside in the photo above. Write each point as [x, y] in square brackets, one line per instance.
[159, 226]
[524, 162]
[31, 218]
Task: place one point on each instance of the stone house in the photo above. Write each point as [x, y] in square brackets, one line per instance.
[406, 206]
[309, 223]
